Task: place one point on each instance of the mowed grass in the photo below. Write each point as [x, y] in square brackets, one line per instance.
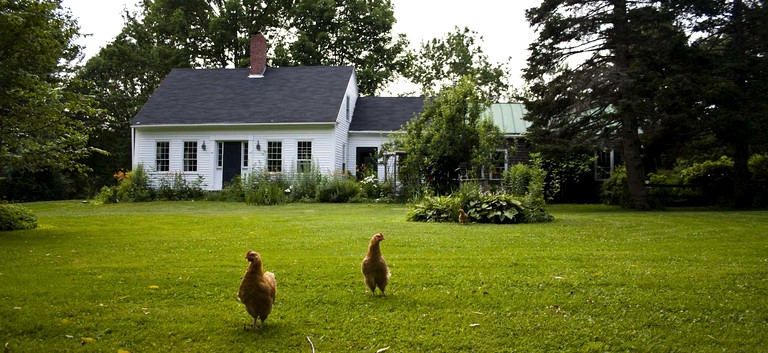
[596, 279]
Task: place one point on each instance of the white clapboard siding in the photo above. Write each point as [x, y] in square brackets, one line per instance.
[366, 139]
[322, 137]
[343, 120]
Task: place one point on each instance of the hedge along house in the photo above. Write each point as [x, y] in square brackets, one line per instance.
[216, 124]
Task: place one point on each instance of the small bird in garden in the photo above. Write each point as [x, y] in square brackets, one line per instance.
[463, 218]
[257, 290]
[374, 267]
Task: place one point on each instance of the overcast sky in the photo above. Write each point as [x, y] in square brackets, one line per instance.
[501, 23]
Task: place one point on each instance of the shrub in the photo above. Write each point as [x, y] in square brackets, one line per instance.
[481, 208]
[304, 184]
[669, 189]
[435, 209]
[14, 217]
[177, 188]
[232, 191]
[701, 184]
[523, 202]
[388, 190]
[534, 204]
[713, 178]
[615, 190]
[498, 208]
[758, 168]
[660, 194]
[337, 188]
[369, 187]
[263, 188]
[517, 178]
[527, 182]
[468, 191]
[132, 186]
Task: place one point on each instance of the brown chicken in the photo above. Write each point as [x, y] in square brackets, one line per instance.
[374, 267]
[257, 290]
[463, 218]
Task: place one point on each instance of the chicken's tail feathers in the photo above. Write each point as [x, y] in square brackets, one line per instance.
[270, 277]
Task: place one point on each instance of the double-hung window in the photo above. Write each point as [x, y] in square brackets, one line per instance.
[163, 156]
[275, 156]
[190, 156]
[304, 156]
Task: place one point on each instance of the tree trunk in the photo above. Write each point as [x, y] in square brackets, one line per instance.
[742, 196]
[625, 105]
[633, 162]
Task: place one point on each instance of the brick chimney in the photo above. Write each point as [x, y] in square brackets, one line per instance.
[258, 56]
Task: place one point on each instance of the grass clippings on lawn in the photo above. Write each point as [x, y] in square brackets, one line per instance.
[163, 277]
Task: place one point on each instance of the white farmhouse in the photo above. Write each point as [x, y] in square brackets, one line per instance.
[219, 123]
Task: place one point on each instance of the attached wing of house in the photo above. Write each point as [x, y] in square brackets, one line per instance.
[375, 120]
[509, 118]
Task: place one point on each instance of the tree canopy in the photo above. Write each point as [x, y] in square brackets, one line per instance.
[649, 77]
[42, 123]
[596, 72]
[735, 46]
[452, 138]
[346, 32]
[444, 61]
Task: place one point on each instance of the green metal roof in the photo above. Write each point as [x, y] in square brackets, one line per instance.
[509, 118]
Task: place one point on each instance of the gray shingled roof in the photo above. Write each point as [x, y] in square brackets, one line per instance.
[385, 113]
[306, 94]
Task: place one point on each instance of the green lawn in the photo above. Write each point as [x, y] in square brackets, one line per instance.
[596, 279]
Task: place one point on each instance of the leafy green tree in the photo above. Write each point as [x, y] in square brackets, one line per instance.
[443, 61]
[595, 73]
[735, 42]
[452, 135]
[124, 74]
[42, 122]
[232, 23]
[347, 32]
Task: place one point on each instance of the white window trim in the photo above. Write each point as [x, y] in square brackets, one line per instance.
[219, 154]
[184, 156]
[168, 153]
[281, 156]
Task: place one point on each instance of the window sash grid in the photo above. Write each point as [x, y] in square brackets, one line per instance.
[274, 156]
[162, 156]
[190, 156]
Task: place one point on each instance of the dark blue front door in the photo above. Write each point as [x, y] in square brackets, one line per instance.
[232, 161]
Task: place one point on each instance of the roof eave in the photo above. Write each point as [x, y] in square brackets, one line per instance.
[330, 123]
[375, 132]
